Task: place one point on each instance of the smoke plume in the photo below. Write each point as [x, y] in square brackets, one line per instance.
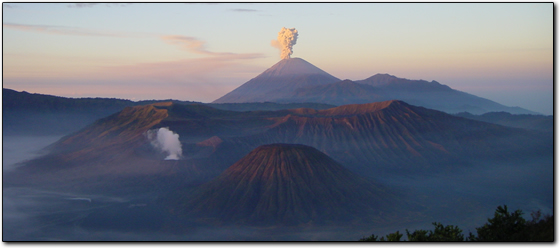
[166, 141]
[287, 38]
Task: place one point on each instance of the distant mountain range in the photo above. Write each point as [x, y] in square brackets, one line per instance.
[296, 80]
[37, 114]
[534, 122]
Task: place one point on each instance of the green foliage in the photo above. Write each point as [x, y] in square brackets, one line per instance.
[503, 227]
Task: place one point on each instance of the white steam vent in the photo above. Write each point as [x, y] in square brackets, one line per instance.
[166, 141]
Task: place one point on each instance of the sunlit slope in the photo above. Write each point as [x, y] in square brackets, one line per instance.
[290, 184]
[396, 136]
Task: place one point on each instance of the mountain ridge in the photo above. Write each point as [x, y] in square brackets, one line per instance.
[384, 87]
[391, 136]
[369, 139]
[39, 114]
[387, 79]
[374, 140]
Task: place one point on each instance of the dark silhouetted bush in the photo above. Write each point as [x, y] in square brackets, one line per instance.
[503, 227]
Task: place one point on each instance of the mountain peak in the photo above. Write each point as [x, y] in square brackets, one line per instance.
[283, 159]
[279, 81]
[287, 184]
[390, 81]
[292, 67]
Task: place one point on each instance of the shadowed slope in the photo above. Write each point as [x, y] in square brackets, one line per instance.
[37, 114]
[434, 95]
[339, 93]
[289, 184]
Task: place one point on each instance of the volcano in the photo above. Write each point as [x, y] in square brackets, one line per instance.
[295, 80]
[366, 138]
[279, 81]
[289, 184]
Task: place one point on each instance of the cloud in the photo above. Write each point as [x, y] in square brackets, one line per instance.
[65, 30]
[61, 30]
[89, 5]
[118, 4]
[200, 70]
[81, 5]
[195, 45]
[244, 10]
[187, 43]
[204, 78]
[198, 79]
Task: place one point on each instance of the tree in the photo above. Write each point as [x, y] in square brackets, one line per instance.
[540, 229]
[393, 237]
[390, 237]
[440, 233]
[505, 226]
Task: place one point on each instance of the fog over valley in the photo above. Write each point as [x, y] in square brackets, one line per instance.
[137, 190]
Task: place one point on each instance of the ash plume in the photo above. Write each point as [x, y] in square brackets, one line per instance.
[287, 38]
[166, 141]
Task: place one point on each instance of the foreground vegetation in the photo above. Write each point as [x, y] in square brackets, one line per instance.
[504, 227]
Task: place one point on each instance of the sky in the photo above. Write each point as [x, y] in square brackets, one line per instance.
[199, 52]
